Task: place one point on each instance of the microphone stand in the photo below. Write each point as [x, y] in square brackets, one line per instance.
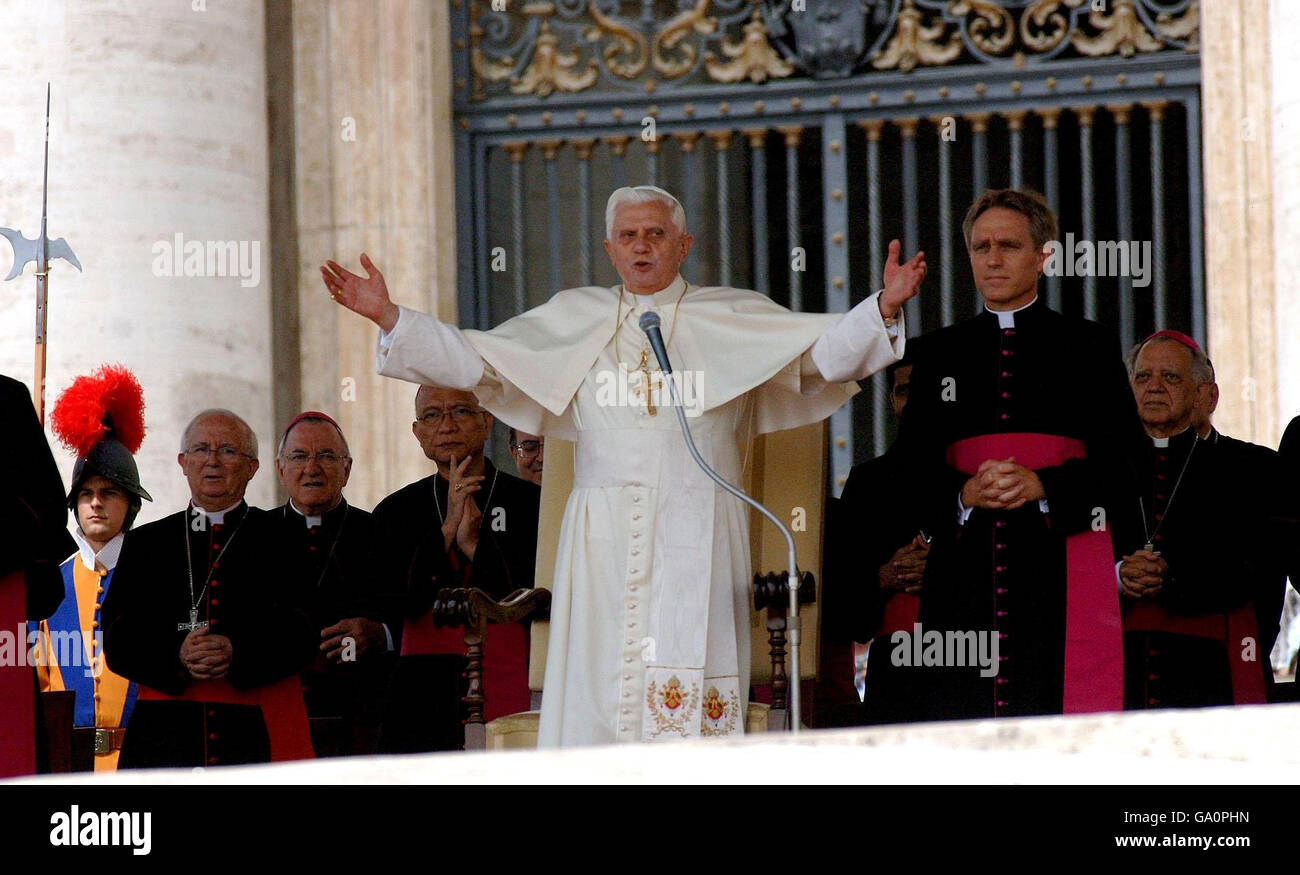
[649, 323]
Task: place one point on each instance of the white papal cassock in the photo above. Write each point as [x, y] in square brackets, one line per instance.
[650, 611]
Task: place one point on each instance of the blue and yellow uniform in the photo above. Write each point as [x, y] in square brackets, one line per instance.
[104, 700]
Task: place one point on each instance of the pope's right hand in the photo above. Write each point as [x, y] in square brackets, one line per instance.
[367, 296]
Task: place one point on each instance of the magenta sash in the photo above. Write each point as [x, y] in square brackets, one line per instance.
[1094, 640]
[900, 614]
[1230, 628]
[17, 686]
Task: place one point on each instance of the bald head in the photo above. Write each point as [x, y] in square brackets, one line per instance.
[219, 456]
[248, 438]
[450, 423]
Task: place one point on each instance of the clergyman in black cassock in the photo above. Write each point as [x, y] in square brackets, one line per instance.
[330, 549]
[236, 699]
[1201, 609]
[34, 526]
[875, 555]
[424, 710]
[335, 565]
[1182, 645]
[1023, 437]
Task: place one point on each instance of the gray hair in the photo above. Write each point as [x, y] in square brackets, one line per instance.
[250, 437]
[642, 194]
[1202, 370]
[284, 439]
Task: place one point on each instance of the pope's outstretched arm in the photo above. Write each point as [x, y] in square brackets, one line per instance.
[443, 357]
[854, 347]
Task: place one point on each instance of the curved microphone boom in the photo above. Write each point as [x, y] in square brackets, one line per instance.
[650, 325]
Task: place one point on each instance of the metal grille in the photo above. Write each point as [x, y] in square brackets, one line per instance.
[833, 164]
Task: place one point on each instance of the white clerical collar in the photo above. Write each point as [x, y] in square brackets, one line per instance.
[218, 517]
[665, 297]
[312, 521]
[106, 557]
[1162, 443]
[1007, 318]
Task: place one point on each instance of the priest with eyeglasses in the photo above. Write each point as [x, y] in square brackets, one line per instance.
[468, 524]
[332, 554]
[201, 617]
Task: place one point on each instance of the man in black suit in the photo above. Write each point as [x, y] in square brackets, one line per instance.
[466, 525]
[34, 526]
[201, 616]
[1022, 435]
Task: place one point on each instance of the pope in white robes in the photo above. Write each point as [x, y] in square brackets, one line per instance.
[650, 610]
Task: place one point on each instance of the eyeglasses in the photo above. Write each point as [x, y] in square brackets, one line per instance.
[527, 449]
[299, 458]
[459, 415]
[226, 454]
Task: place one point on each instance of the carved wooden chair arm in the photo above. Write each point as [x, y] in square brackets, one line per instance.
[466, 606]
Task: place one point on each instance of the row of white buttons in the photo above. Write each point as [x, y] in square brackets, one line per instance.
[632, 608]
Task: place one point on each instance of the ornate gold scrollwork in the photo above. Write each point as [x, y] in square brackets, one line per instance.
[626, 42]
[1052, 26]
[753, 57]
[485, 69]
[1121, 31]
[914, 43]
[993, 30]
[669, 39]
[551, 68]
[1187, 26]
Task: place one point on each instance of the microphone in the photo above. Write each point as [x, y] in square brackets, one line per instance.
[649, 323]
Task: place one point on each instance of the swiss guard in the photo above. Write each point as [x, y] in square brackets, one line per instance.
[101, 418]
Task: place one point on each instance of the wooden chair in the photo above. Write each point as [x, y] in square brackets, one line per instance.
[475, 610]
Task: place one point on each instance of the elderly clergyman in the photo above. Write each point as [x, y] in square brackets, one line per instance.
[649, 634]
[330, 550]
[200, 617]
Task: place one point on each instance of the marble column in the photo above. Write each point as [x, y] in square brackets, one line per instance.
[157, 132]
[1242, 300]
[374, 157]
[1284, 31]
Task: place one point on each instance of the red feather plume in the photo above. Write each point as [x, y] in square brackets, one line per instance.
[108, 402]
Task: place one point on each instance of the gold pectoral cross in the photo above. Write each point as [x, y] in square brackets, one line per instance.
[644, 368]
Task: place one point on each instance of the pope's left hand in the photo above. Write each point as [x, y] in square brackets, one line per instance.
[902, 281]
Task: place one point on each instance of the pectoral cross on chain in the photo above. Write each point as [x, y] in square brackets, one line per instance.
[644, 368]
[194, 623]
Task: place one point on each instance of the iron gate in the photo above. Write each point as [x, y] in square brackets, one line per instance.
[801, 138]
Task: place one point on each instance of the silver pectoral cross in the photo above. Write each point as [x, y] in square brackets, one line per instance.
[194, 623]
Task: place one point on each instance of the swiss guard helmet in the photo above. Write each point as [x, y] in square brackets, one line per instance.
[100, 417]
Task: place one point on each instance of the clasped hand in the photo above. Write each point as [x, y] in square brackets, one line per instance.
[1142, 574]
[463, 516]
[206, 655]
[904, 570]
[1002, 485]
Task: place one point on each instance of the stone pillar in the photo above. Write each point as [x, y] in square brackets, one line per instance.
[1242, 301]
[1284, 31]
[157, 130]
[374, 157]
